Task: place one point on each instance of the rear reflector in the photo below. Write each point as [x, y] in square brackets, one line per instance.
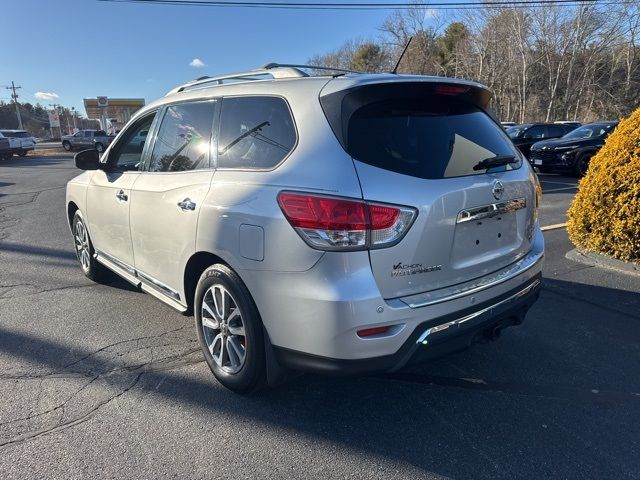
[370, 332]
[333, 223]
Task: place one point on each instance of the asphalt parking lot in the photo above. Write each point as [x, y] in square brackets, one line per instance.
[102, 381]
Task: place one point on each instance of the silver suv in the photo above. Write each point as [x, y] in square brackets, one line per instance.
[343, 223]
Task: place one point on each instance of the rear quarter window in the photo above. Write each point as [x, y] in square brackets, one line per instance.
[429, 138]
[255, 132]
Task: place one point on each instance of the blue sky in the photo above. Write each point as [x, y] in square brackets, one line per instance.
[85, 48]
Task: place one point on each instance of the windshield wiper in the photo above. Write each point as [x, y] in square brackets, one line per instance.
[497, 161]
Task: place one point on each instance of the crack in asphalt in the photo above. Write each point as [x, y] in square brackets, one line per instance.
[113, 377]
[71, 422]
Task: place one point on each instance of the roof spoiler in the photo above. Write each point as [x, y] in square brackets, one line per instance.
[340, 105]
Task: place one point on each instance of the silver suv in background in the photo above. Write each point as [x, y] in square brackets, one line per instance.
[98, 139]
[345, 223]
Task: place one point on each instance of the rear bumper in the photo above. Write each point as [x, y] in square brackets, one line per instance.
[432, 338]
[312, 317]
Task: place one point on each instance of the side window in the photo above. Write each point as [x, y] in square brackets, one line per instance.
[184, 138]
[538, 131]
[127, 153]
[556, 131]
[255, 132]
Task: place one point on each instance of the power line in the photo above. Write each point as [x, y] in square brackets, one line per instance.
[14, 95]
[459, 5]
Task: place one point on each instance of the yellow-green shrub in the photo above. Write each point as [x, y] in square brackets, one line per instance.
[604, 216]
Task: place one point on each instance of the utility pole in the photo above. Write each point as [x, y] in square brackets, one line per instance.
[14, 96]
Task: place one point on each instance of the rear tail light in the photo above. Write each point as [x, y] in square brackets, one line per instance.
[334, 223]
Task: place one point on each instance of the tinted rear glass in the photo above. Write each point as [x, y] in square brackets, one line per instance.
[17, 134]
[430, 138]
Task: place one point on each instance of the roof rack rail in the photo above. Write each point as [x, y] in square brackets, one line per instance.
[279, 72]
[270, 66]
[276, 70]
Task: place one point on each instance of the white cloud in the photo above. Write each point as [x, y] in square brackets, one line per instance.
[197, 63]
[46, 95]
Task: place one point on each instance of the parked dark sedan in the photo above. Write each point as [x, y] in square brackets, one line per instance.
[573, 151]
[525, 135]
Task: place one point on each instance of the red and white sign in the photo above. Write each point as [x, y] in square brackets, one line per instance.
[54, 120]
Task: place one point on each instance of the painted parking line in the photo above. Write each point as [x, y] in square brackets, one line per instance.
[559, 189]
[559, 183]
[555, 226]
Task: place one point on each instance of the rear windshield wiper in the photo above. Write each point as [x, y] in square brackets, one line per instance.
[497, 161]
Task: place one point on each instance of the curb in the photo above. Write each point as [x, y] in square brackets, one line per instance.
[599, 260]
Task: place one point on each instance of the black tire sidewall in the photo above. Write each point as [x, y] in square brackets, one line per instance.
[66, 146]
[252, 374]
[583, 159]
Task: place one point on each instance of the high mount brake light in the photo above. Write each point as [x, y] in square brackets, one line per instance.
[451, 89]
[334, 223]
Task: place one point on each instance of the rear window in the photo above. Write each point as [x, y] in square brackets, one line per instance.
[16, 134]
[430, 138]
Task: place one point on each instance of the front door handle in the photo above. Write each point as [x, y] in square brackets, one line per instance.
[122, 196]
[187, 204]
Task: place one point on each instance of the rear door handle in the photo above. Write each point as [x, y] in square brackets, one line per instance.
[187, 204]
[122, 196]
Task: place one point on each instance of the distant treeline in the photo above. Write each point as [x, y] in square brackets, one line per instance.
[553, 63]
[35, 119]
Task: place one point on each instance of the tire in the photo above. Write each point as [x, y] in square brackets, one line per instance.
[99, 147]
[67, 146]
[224, 342]
[85, 252]
[23, 153]
[582, 165]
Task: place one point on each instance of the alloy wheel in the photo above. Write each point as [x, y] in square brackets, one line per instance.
[82, 246]
[223, 329]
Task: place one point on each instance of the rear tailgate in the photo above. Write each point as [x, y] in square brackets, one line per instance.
[417, 145]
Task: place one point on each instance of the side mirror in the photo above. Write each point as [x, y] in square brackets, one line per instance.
[88, 160]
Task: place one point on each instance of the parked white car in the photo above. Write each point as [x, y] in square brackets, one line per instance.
[21, 142]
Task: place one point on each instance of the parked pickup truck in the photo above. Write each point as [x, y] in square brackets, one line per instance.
[21, 142]
[86, 139]
[5, 148]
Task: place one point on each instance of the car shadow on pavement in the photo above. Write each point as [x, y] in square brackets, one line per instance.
[34, 161]
[541, 419]
[46, 252]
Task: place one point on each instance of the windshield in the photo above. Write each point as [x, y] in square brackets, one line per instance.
[589, 131]
[514, 132]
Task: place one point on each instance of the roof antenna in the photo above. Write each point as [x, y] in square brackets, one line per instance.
[395, 69]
